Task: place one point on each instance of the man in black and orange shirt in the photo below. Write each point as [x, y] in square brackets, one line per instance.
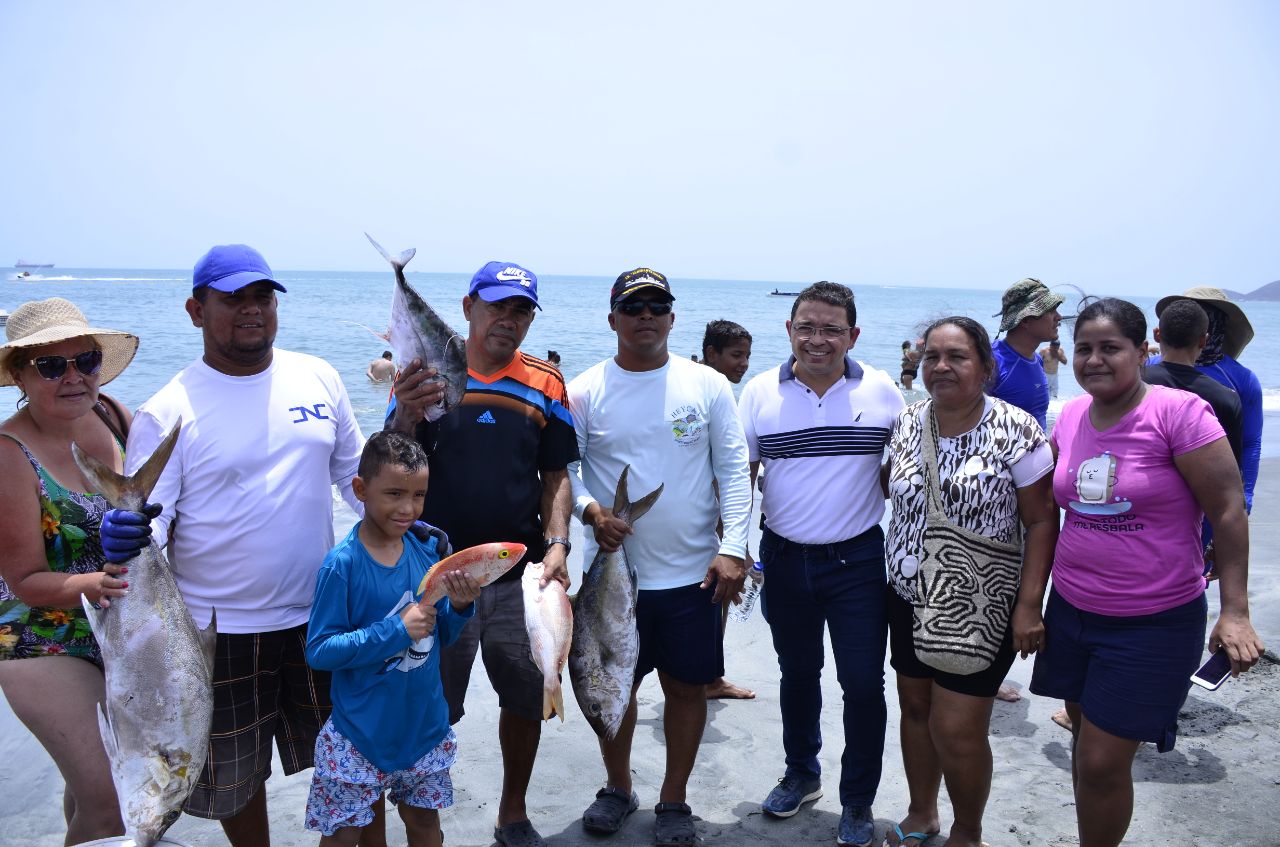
[499, 473]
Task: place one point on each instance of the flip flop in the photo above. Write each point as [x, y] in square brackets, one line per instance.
[674, 825]
[920, 837]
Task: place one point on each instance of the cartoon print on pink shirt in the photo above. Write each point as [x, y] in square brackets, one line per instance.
[1095, 486]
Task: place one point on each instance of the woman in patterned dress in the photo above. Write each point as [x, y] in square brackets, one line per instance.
[994, 463]
[50, 664]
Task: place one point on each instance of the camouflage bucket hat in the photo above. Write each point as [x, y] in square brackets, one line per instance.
[1026, 298]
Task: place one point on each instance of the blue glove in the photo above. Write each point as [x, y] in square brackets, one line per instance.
[125, 533]
[422, 531]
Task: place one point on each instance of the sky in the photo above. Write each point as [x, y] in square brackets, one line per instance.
[1127, 147]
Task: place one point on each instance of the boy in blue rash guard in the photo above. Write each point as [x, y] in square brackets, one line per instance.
[389, 729]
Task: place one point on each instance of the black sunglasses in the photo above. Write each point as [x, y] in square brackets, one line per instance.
[53, 367]
[633, 308]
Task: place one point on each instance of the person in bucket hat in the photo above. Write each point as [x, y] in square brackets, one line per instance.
[1229, 333]
[53, 538]
[1028, 318]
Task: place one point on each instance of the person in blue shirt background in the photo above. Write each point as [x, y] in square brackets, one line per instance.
[389, 729]
[1029, 317]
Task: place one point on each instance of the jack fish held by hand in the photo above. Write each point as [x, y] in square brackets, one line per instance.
[606, 645]
[159, 667]
[548, 616]
[417, 332]
[484, 562]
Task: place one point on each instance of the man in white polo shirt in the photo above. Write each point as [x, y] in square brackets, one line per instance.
[819, 422]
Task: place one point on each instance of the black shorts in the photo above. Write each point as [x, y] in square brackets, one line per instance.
[680, 634]
[263, 689]
[902, 655]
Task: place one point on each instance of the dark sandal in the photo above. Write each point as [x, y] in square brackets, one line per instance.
[518, 834]
[610, 809]
[674, 825]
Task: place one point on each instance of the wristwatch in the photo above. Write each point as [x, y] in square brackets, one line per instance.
[559, 539]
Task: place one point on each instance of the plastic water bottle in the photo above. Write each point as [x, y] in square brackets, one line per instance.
[750, 592]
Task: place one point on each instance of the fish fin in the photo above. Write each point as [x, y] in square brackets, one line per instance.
[557, 703]
[620, 498]
[643, 505]
[129, 492]
[108, 734]
[94, 616]
[209, 640]
[397, 262]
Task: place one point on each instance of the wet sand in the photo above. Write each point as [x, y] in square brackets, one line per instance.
[1218, 787]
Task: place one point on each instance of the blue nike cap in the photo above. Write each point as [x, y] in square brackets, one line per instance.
[230, 267]
[500, 280]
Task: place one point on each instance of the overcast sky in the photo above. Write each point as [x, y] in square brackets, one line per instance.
[1117, 146]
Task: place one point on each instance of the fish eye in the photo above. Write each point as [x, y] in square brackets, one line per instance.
[502, 554]
[595, 708]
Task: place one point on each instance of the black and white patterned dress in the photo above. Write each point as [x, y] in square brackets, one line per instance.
[981, 471]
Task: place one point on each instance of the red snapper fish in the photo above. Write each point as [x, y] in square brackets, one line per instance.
[484, 563]
[548, 616]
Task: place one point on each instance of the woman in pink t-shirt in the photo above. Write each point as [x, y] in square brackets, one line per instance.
[1137, 466]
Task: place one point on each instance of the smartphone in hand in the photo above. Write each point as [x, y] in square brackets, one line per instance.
[1215, 671]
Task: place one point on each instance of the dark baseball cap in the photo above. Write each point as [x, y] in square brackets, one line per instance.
[637, 280]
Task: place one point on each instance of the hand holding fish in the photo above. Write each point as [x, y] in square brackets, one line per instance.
[728, 573]
[416, 390]
[609, 528]
[419, 620]
[462, 589]
[126, 533]
[99, 587]
[555, 567]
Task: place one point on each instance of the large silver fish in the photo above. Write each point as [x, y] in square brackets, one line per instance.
[417, 332]
[159, 668]
[606, 645]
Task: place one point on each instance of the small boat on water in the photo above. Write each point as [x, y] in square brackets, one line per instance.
[776, 293]
[25, 276]
[22, 263]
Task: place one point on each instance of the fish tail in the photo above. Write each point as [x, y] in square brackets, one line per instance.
[397, 262]
[627, 510]
[553, 701]
[129, 492]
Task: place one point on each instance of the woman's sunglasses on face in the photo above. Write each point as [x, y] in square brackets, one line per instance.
[53, 367]
[633, 308]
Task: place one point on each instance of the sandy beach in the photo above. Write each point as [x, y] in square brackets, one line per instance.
[1216, 788]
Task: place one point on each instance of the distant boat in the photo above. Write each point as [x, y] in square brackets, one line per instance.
[22, 263]
[26, 276]
[776, 293]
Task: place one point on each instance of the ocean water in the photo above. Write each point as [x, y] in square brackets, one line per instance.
[325, 314]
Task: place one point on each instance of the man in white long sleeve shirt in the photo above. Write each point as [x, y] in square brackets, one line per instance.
[675, 423]
[248, 521]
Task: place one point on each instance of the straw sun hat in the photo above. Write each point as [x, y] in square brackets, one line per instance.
[1238, 332]
[42, 322]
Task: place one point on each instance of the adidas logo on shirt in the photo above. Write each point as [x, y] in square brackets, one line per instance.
[487, 418]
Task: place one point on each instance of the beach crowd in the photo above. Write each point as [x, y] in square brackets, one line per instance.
[1135, 502]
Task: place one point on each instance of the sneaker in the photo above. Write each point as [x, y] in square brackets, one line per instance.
[791, 791]
[857, 827]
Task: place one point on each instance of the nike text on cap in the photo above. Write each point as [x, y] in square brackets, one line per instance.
[500, 280]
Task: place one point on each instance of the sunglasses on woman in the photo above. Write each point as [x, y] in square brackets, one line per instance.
[53, 367]
[633, 308]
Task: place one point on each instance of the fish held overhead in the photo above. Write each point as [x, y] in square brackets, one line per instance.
[416, 331]
[158, 707]
[606, 644]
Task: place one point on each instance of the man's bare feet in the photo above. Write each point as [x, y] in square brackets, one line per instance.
[723, 689]
[1062, 719]
[1008, 692]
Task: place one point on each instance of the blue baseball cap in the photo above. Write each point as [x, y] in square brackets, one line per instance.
[500, 280]
[230, 267]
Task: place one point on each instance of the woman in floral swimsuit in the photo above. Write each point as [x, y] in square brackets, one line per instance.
[50, 664]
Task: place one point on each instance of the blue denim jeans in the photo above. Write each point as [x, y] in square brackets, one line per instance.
[841, 586]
